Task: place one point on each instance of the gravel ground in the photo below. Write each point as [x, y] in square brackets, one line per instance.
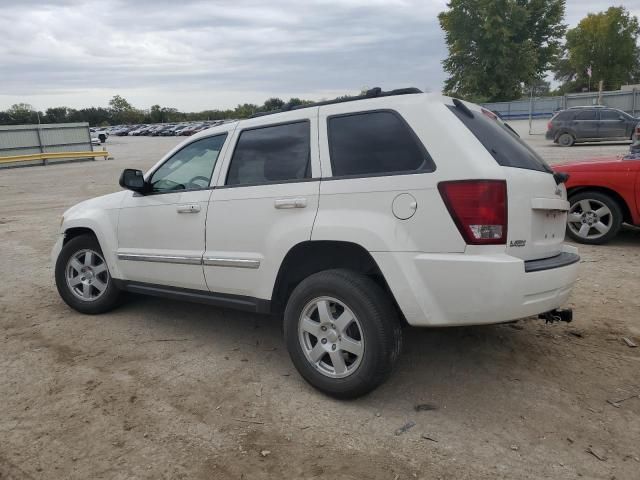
[164, 389]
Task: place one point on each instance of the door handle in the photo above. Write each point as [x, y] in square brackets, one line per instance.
[188, 208]
[290, 203]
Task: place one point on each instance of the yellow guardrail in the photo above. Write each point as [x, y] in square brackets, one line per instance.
[53, 155]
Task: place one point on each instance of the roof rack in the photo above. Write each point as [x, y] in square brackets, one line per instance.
[372, 93]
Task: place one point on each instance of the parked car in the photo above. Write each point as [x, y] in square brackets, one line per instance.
[590, 124]
[123, 131]
[159, 129]
[604, 194]
[191, 129]
[100, 134]
[348, 218]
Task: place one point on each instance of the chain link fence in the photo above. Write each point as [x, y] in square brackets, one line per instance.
[545, 107]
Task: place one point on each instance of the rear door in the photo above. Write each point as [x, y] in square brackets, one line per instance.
[264, 204]
[537, 206]
[585, 124]
[612, 124]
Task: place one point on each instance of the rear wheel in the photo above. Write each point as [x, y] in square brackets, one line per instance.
[593, 218]
[82, 277]
[342, 333]
[566, 140]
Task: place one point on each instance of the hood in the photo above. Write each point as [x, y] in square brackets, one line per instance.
[104, 202]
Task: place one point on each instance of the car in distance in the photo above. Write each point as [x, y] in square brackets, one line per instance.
[604, 194]
[350, 218]
[100, 134]
[590, 124]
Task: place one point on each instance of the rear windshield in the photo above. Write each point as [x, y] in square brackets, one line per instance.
[501, 141]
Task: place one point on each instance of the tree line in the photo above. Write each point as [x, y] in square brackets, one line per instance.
[501, 49]
[120, 111]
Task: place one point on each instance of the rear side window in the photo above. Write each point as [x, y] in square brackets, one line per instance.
[587, 115]
[563, 116]
[500, 140]
[273, 154]
[375, 143]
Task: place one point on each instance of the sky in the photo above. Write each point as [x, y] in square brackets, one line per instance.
[203, 54]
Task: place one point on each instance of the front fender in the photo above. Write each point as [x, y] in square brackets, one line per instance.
[100, 215]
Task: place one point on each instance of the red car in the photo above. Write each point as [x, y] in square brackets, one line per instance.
[604, 194]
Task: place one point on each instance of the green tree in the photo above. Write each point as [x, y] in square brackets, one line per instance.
[272, 104]
[155, 114]
[123, 112]
[22, 113]
[608, 43]
[56, 115]
[496, 46]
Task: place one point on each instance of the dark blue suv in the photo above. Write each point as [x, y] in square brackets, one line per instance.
[590, 124]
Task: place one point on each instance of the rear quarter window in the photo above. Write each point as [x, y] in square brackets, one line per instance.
[504, 145]
[375, 143]
[563, 116]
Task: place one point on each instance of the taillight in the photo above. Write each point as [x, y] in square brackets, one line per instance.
[549, 126]
[478, 208]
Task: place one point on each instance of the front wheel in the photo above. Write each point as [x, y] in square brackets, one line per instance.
[594, 218]
[82, 277]
[342, 333]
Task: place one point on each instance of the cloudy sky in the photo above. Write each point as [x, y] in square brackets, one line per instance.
[199, 54]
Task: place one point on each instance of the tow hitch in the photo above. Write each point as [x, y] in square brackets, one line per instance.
[564, 315]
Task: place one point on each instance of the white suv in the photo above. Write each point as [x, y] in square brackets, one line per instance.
[351, 218]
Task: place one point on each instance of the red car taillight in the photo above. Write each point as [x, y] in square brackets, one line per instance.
[478, 208]
[549, 126]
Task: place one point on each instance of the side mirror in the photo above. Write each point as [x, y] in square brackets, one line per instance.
[133, 179]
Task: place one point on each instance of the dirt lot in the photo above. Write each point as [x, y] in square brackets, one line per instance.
[163, 389]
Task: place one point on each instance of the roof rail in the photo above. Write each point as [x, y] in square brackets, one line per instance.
[371, 93]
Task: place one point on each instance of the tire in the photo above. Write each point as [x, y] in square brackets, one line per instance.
[374, 332]
[589, 209]
[103, 138]
[103, 295]
[566, 139]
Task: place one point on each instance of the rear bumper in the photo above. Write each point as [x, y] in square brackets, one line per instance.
[460, 289]
[549, 135]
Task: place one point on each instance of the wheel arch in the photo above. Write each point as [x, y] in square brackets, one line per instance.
[619, 199]
[74, 227]
[313, 256]
[74, 232]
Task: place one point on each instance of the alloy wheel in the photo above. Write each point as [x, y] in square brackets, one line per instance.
[331, 337]
[590, 219]
[87, 275]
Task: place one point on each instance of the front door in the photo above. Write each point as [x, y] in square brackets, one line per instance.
[161, 234]
[264, 204]
[612, 124]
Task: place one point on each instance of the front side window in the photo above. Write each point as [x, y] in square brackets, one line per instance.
[190, 168]
[272, 154]
[611, 115]
[375, 143]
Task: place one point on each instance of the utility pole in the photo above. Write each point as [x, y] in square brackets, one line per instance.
[600, 85]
